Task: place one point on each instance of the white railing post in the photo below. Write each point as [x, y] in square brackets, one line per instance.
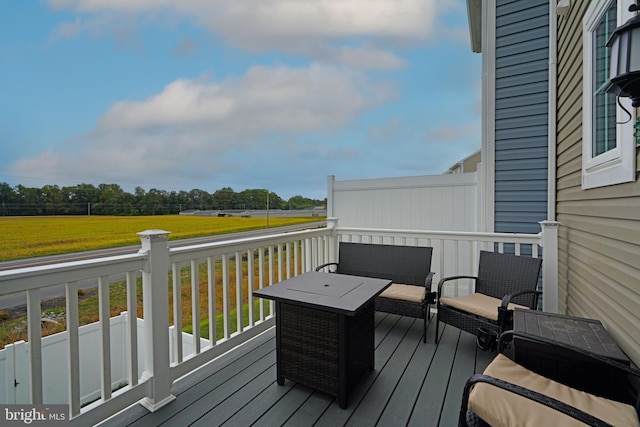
[156, 319]
[550, 265]
[332, 224]
[331, 182]
[35, 345]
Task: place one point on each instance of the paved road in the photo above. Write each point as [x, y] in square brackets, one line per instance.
[13, 300]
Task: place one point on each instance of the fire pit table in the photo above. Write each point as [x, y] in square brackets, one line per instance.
[325, 329]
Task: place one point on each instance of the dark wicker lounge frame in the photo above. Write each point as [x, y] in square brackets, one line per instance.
[510, 278]
[407, 265]
[467, 418]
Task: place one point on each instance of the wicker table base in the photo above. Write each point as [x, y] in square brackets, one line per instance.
[326, 351]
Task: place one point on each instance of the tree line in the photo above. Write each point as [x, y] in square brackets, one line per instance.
[111, 199]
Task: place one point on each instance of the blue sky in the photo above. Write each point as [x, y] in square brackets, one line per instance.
[278, 94]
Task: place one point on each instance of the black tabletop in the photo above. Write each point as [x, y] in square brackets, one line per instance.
[338, 293]
[588, 334]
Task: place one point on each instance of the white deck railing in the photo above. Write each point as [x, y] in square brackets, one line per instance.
[228, 271]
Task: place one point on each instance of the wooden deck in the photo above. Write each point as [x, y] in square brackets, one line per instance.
[413, 384]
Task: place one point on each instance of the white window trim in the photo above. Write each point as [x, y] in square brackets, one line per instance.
[618, 165]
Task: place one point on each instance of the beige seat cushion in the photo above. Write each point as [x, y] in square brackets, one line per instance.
[479, 304]
[404, 292]
[501, 408]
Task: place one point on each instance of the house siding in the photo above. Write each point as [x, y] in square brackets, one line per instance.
[521, 117]
[599, 236]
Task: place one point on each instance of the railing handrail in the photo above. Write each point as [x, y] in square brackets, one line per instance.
[185, 253]
[42, 276]
[447, 235]
[69, 271]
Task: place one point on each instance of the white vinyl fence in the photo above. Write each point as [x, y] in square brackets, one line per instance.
[431, 202]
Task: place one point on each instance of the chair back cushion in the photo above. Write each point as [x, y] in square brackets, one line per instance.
[503, 274]
[408, 265]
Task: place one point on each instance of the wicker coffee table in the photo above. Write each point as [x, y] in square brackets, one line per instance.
[324, 329]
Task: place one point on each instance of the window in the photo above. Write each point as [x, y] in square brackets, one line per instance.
[608, 146]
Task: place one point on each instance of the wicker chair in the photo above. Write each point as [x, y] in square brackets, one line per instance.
[408, 267]
[504, 281]
[509, 394]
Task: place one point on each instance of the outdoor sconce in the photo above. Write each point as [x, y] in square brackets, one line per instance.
[625, 59]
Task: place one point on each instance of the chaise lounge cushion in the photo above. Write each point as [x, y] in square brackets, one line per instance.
[501, 408]
[404, 292]
[479, 304]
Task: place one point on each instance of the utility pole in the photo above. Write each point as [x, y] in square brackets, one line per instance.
[267, 207]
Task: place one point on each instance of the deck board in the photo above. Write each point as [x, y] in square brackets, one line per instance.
[463, 365]
[401, 405]
[430, 400]
[312, 410]
[412, 384]
[370, 409]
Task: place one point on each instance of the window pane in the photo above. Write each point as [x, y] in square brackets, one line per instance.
[604, 105]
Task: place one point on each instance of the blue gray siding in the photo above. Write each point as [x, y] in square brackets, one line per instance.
[521, 117]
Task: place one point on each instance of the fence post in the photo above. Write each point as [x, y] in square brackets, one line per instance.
[332, 224]
[550, 265]
[155, 294]
[331, 182]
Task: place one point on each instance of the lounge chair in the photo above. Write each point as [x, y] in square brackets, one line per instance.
[408, 267]
[504, 281]
[507, 394]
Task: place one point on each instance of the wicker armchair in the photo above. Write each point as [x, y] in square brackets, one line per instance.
[508, 394]
[408, 267]
[504, 282]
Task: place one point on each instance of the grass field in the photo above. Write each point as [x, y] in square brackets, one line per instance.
[27, 237]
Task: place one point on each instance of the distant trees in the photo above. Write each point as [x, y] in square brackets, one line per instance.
[111, 199]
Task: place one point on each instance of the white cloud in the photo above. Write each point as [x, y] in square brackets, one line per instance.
[278, 19]
[360, 33]
[264, 100]
[365, 57]
[122, 29]
[270, 21]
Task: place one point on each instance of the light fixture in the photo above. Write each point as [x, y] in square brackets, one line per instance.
[624, 72]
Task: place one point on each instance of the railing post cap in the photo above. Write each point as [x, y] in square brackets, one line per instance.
[548, 223]
[153, 234]
[332, 222]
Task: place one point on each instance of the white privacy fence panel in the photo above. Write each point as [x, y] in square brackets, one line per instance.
[434, 202]
[14, 365]
[14, 362]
